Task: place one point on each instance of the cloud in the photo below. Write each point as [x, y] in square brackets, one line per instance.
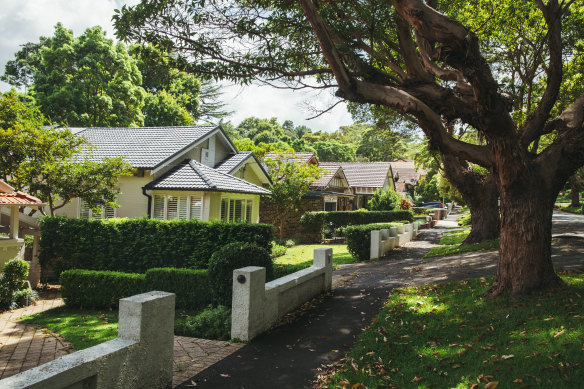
[23, 21]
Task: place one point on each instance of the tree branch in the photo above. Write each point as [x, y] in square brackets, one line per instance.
[535, 124]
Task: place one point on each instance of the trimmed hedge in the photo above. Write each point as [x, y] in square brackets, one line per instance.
[136, 245]
[359, 238]
[103, 289]
[345, 218]
[192, 287]
[234, 256]
[99, 289]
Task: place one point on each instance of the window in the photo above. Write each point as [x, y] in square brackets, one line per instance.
[168, 207]
[235, 210]
[330, 206]
[85, 212]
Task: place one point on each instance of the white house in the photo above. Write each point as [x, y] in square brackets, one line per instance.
[192, 172]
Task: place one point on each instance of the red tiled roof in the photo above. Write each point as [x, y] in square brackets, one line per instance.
[406, 171]
[8, 196]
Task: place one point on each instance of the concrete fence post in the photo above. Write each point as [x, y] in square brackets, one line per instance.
[323, 258]
[249, 287]
[375, 239]
[141, 356]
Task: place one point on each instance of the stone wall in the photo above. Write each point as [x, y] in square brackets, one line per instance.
[292, 227]
[256, 305]
[140, 357]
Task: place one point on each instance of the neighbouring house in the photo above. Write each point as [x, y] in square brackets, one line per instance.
[192, 172]
[364, 178]
[11, 201]
[406, 176]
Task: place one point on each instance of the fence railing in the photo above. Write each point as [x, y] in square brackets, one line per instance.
[140, 357]
[257, 305]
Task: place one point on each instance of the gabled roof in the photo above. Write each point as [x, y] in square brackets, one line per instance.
[192, 175]
[405, 170]
[362, 174]
[326, 176]
[9, 196]
[293, 157]
[232, 164]
[143, 147]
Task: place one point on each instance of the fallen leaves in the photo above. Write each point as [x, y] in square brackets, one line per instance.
[492, 385]
[560, 333]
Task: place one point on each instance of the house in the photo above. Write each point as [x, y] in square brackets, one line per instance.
[192, 172]
[11, 243]
[406, 176]
[364, 178]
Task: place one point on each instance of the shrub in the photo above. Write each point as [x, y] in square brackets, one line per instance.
[421, 211]
[13, 285]
[384, 200]
[234, 256]
[405, 205]
[23, 298]
[359, 238]
[191, 286]
[99, 289]
[212, 323]
[136, 245]
[283, 269]
[278, 251]
[339, 219]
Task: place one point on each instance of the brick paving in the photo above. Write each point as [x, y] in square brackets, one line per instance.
[24, 346]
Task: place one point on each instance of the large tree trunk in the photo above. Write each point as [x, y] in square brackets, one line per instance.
[480, 193]
[525, 263]
[575, 195]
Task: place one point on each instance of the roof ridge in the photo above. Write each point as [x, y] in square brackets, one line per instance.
[197, 170]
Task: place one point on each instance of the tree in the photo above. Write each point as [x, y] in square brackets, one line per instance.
[48, 162]
[290, 181]
[333, 151]
[429, 68]
[384, 200]
[84, 81]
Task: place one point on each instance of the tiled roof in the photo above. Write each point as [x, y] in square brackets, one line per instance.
[291, 157]
[8, 196]
[229, 165]
[191, 175]
[362, 174]
[142, 147]
[326, 176]
[406, 171]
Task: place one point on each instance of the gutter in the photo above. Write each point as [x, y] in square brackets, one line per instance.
[149, 201]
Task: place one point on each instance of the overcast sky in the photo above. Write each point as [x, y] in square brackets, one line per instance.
[24, 21]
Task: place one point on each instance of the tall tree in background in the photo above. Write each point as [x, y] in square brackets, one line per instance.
[84, 81]
[47, 162]
[423, 64]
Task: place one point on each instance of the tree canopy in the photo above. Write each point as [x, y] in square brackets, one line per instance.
[46, 162]
[495, 66]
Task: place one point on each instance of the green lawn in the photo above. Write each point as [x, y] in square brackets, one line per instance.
[566, 208]
[83, 328]
[304, 253]
[451, 244]
[448, 336]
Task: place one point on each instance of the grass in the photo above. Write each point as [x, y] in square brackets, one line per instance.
[566, 208]
[448, 336]
[302, 254]
[450, 244]
[85, 328]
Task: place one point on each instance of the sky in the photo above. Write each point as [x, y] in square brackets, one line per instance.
[24, 21]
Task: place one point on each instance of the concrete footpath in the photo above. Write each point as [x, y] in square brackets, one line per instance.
[293, 355]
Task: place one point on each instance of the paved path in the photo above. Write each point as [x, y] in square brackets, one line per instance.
[24, 346]
[295, 354]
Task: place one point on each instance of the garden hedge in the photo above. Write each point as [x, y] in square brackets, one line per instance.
[339, 219]
[136, 245]
[99, 289]
[102, 289]
[358, 238]
[191, 287]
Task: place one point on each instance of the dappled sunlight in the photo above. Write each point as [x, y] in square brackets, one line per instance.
[447, 335]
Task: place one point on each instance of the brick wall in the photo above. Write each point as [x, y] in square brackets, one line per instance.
[292, 227]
